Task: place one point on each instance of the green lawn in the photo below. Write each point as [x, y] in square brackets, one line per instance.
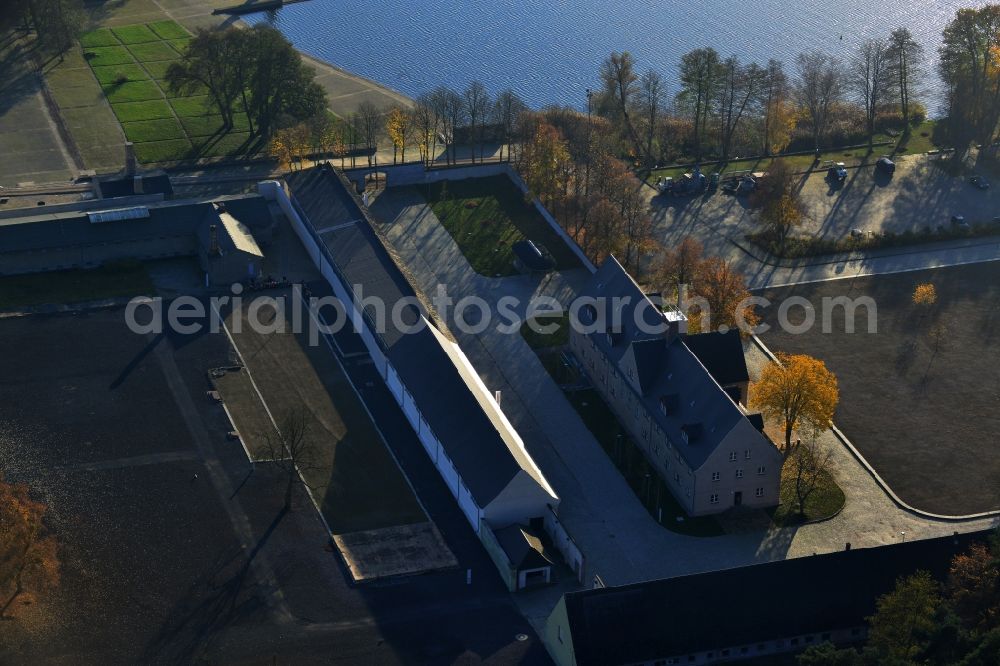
[168, 30]
[74, 286]
[130, 63]
[149, 110]
[921, 139]
[824, 502]
[486, 216]
[153, 51]
[135, 34]
[640, 475]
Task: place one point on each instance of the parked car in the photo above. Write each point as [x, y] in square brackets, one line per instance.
[885, 165]
[664, 185]
[958, 221]
[980, 182]
[837, 173]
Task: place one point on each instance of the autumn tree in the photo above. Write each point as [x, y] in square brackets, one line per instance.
[29, 562]
[370, 126]
[740, 86]
[970, 67]
[399, 126]
[677, 266]
[208, 63]
[818, 88]
[904, 619]
[56, 22]
[292, 449]
[651, 105]
[807, 467]
[870, 79]
[426, 124]
[777, 113]
[722, 299]
[924, 295]
[974, 586]
[542, 162]
[799, 391]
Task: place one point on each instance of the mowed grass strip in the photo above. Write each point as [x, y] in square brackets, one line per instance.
[158, 70]
[99, 37]
[179, 45]
[132, 91]
[161, 129]
[98, 56]
[198, 105]
[112, 74]
[168, 30]
[234, 143]
[163, 151]
[135, 34]
[149, 110]
[209, 125]
[152, 51]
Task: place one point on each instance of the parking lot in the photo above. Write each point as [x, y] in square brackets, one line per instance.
[919, 195]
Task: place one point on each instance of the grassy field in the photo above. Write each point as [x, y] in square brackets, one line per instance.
[825, 501]
[352, 476]
[130, 63]
[74, 286]
[486, 216]
[918, 397]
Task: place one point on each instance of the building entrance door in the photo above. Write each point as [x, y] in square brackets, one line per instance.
[737, 498]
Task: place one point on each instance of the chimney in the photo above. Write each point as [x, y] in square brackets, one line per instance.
[129, 159]
[213, 240]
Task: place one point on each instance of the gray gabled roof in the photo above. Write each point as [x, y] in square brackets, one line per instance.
[700, 413]
[483, 450]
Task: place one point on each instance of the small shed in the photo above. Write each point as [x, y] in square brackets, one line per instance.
[526, 553]
[227, 249]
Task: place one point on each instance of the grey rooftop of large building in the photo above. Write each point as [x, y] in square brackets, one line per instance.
[677, 390]
[469, 429]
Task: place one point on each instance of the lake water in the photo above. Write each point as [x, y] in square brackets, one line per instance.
[549, 52]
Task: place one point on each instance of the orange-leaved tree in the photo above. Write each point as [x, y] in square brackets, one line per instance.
[29, 561]
[800, 392]
[724, 299]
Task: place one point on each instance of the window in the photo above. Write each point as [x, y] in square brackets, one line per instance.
[714, 498]
[761, 470]
[732, 457]
[716, 476]
[739, 474]
[759, 492]
[746, 454]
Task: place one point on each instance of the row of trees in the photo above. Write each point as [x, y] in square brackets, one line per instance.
[256, 71]
[924, 621]
[725, 105]
[970, 68]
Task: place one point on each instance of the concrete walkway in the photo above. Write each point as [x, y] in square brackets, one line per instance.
[621, 541]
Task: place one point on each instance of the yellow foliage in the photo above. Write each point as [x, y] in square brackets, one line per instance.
[28, 556]
[925, 294]
[799, 391]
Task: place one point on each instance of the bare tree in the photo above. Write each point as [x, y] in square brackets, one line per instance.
[869, 79]
[452, 110]
[700, 72]
[619, 79]
[426, 125]
[905, 56]
[507, 111]
[651, 99]
[810, 465]
[477, 105]
[369, 119]
[740, 85]
[291, 449]
[819, 86]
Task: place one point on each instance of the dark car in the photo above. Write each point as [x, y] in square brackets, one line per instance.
[837, 173]
[980, 182]
[885, 165]
[958, 221]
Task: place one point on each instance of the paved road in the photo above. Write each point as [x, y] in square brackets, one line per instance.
[621, 541]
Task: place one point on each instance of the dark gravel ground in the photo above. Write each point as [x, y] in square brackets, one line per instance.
[923, 411]
[158, 566]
